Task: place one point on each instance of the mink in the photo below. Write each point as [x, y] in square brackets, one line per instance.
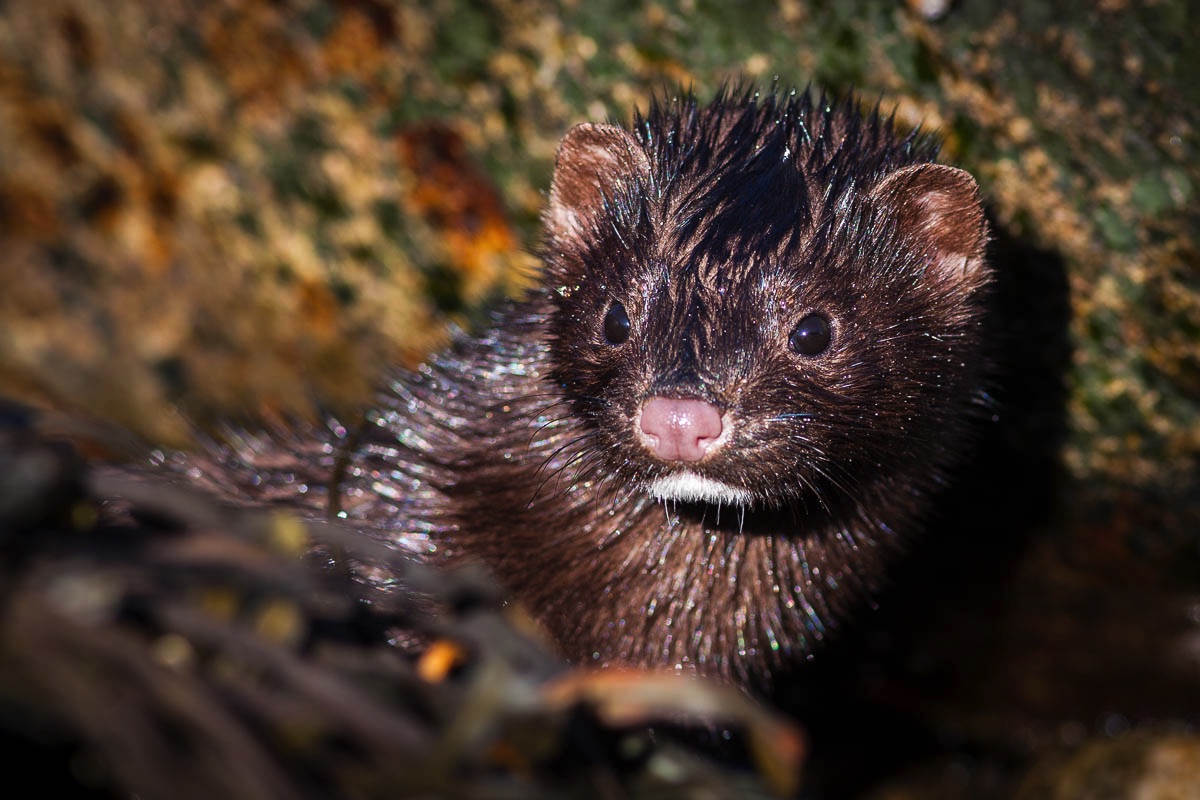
[754, 358]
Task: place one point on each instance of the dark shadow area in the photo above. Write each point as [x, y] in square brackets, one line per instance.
[865, 697]
[55, 762]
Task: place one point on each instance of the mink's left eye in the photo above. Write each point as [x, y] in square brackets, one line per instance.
[811, 336]
[616, 324]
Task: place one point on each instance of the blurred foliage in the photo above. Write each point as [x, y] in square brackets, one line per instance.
[163, 646]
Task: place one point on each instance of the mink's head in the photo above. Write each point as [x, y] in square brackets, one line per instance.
[768, 301]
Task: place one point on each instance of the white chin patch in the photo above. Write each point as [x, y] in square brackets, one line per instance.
[689, 487]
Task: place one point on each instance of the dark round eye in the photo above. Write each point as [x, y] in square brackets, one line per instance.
[811, 336]
[616, 324]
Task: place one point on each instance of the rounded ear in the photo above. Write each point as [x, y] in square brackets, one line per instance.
[593, 165]
[939, 208]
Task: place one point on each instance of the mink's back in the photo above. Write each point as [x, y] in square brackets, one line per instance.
[391, 470]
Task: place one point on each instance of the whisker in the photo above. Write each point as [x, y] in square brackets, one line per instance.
[583, 467]
[791, 415]
[582, 437]
[544, 426]
[549, 474]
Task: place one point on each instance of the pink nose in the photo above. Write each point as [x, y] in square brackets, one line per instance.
[680, 429]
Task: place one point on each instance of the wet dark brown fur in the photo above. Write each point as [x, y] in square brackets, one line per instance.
[718, 229]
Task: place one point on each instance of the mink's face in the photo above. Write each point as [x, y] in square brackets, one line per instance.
[728, 342]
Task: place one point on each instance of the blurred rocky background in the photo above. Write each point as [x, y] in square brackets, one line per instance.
[243, 210]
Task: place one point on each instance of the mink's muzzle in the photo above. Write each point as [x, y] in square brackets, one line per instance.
[684, 434]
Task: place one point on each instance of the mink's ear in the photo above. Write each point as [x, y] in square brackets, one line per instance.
[939, 209]
[594, 164]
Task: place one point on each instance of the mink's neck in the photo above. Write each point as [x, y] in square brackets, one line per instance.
[618, 576]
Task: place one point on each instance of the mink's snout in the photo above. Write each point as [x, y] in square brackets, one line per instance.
[680, 429]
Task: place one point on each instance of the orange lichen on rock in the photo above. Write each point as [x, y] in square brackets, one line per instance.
[459, 201]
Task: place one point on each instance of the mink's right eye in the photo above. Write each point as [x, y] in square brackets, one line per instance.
[616, 324]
